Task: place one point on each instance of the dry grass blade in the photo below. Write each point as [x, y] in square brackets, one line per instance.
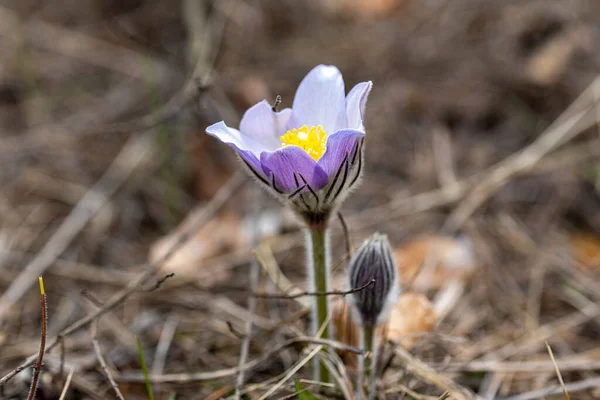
[164, 342]
[302, 294]
[255, 275]
[85, 48]
[269, 264]
[571, 387]
[137, 149]
[558, 374]
[291, 372]
[467, 128]
[584, 364]
[98, 352]
[63, 393]
[575, 120]
[228, 372]
[428, 374]
[150, 270]
[337, 369]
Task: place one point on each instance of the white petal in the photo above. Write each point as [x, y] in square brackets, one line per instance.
[355, 104]
[234, 137]
[320, 99]
[265, 126]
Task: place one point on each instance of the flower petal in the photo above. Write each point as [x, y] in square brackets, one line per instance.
[289, 161]
[338, 145]
[246, 147]
[320, 100]
[265, 126]
[234, 137]
[355, 104]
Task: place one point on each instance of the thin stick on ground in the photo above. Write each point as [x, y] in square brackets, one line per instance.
[338, 371]
[571, 387]
[102, 362]
[37, 369]
[228, 372]
[580, 116]
[572, 364]
[164, 342]
[65, 389]
[425, 372]
[136, 284]
[330, 293]
[558, 374]
[291, 372]
[137, 150]
[255, 273]
[206, 52]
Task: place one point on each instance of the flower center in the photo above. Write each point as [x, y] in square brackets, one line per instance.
[312, 140]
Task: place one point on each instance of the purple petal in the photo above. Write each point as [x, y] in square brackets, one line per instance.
[290, 160]
[265, 126]
[252, 162]
[320, 100]
[338, 145]
[355, 104]
[248, 149]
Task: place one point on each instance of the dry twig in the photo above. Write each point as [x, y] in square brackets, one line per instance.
[428, 374]
[291, 372]
[65, 389]
[100, 357]
[133, 153]
[580, 116]
[301, 294]
[164, 342]
[571, 387]
[254, 282]
[227, 372]
[37, 368]
[558, 374]
[216, 203]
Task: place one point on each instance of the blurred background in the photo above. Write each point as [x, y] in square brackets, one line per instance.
[105, 166]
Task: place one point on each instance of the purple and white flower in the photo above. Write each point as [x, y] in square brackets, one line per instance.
[309, 155]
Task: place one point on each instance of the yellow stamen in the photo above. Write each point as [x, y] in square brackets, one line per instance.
[312, 140]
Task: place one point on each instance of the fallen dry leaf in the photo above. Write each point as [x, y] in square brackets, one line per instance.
[442, 258]
[585, 249]
[412, 315]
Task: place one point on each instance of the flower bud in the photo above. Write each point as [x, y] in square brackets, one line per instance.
[374, 260]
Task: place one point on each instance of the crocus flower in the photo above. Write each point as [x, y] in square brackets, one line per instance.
[309, 155]
[374, 259]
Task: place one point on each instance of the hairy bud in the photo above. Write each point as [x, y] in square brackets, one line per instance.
[374, 260]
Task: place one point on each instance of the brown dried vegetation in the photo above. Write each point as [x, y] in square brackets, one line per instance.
[103, 105]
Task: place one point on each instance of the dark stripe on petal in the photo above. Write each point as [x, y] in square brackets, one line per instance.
[345, 176]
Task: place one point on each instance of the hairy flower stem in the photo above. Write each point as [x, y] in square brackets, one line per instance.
[367, 370]
[318, 270]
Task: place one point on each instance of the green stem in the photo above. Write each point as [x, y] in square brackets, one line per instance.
[319, 261]
[367, 373]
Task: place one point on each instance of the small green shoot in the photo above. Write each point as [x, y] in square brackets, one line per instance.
[144, 369]
[302, 392]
